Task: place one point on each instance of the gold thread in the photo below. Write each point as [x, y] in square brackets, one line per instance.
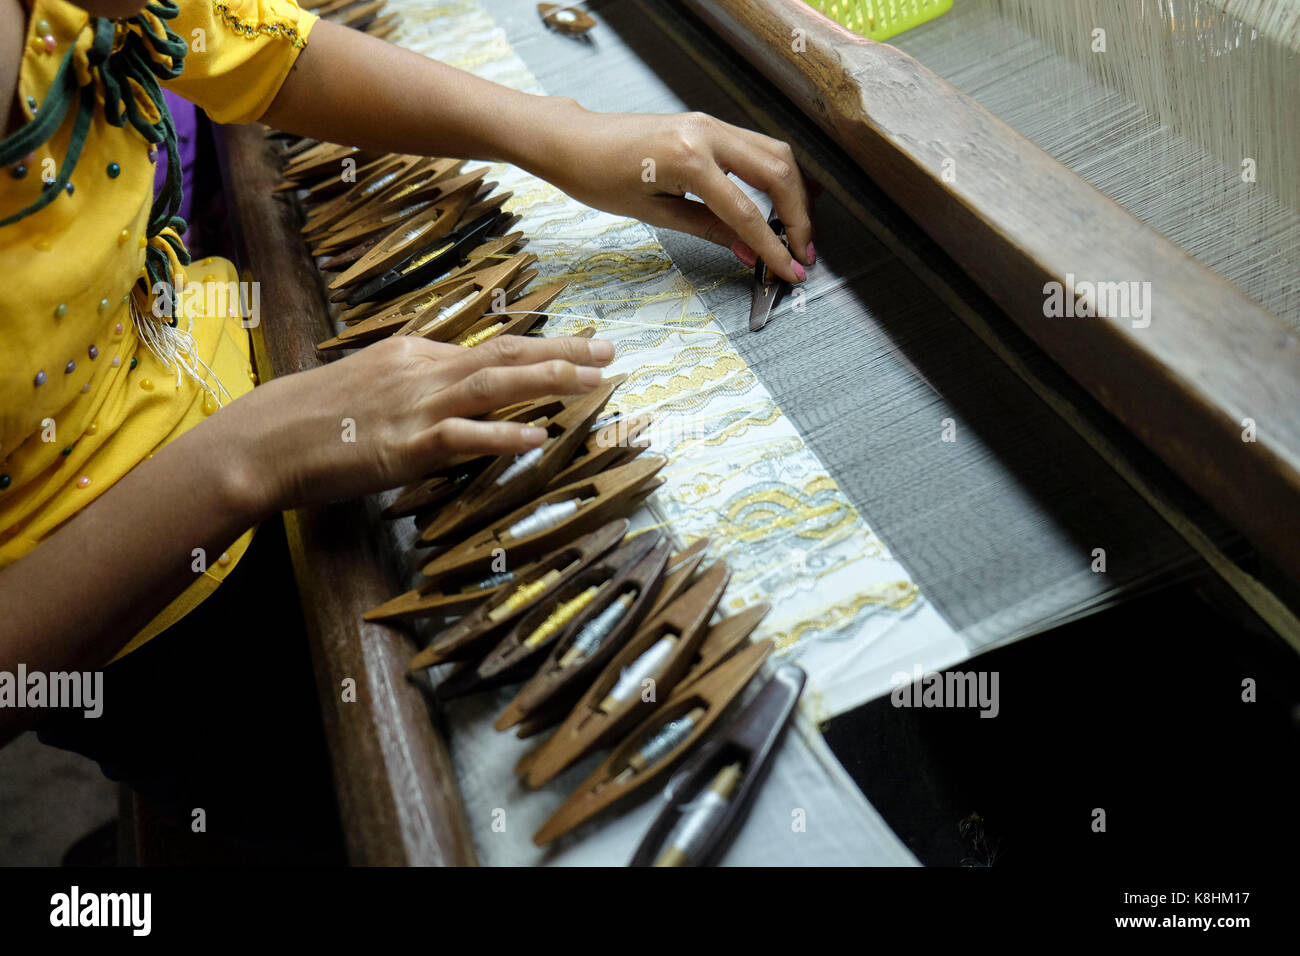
[252, 31]
[836, 617]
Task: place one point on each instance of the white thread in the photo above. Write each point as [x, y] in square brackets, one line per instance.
[521, 464]
[544, 518]
[596, 630]
[176, 349]
[445, 313]
[648, 664]
[607, 420]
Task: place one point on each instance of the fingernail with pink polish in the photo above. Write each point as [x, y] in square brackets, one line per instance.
[744, 253]
[811, 255]
[799, 272]
[589, 376]
[602, 350]
[532, 435]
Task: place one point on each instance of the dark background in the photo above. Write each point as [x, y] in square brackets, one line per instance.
[1137, 710]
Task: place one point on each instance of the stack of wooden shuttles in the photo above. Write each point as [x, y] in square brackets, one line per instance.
[608, 633]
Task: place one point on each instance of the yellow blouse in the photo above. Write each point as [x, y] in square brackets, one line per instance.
[82, 400]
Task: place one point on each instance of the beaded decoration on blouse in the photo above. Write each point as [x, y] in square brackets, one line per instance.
[124, 61]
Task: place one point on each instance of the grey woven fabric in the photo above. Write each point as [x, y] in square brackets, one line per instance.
[999, 527]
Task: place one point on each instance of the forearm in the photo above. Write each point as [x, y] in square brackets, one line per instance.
[87, 589]
[351, 88]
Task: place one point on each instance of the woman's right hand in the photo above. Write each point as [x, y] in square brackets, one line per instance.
[393, 412]
[412, 403]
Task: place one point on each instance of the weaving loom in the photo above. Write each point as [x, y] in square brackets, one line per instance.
[894, 464]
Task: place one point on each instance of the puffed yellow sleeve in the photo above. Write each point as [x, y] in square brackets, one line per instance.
[240, 52]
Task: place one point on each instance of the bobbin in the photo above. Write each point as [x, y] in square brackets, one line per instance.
[489, 618]
[431, 260]
[613, 494]
[426, 184]
[553, 690]
[499, 489]
[413, 237]
[712, 692]
[677, 577]
[636, 563]
[588, 726]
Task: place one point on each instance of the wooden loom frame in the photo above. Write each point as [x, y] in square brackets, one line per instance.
[1014, 219]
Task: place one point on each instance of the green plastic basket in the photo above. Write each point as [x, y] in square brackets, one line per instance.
[881, 19]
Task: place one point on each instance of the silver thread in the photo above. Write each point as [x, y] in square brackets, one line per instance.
[699, 819]
[662, 743]
[597, 629]
[406, 211]
[379, 183]
[668, 737]
[490, 582]
[414, 233]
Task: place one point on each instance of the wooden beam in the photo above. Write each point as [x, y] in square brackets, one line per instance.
[1016, 220]
[397, 791]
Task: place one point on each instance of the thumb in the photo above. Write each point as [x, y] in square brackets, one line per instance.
[696, 219]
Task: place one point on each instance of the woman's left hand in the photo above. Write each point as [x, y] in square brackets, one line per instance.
[639, 165]
[643, 165]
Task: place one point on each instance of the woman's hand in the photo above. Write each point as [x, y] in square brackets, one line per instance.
[348, 87]
[395, 411]
[643, 165]
[284, 444]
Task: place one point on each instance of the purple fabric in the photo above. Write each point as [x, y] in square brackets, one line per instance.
[184, 116]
